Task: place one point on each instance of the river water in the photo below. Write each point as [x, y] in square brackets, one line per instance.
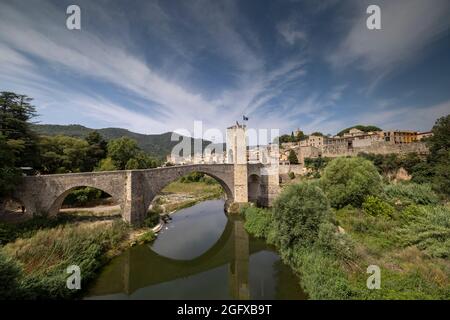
[201, 254]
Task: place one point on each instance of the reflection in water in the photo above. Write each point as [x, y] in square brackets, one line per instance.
[236, 265]
[239, 262]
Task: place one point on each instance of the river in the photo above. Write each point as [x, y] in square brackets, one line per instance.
[201, 254]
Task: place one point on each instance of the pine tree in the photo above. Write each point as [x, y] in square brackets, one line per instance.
[292, 157]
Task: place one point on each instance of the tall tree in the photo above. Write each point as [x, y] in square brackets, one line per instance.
[15, 115]
[62, 154]
[121, 150]
[292, 157]
[300, 135]
[439, 157]
[97, 150]
[9, 174]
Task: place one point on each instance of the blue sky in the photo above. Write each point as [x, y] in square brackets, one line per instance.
[156, 66]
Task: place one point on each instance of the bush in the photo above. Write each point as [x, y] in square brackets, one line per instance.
[377, 207]
[291, 175]
[10, 272]
[146, 237]
[297, 214]
[349, 181]
[410, 193]
[82, 196]
[193, 177]
[429, 231]
[411, 212]
[258, 221]
[321, 275]
[47, 253]
[335, 244]
[292, 158]
[152, 219]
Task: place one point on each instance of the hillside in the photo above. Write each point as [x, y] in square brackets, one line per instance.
[157, 145]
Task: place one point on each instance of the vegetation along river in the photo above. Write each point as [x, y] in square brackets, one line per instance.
[201, 254]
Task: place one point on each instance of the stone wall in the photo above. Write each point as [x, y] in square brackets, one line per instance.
[297, 169]
[376, 148]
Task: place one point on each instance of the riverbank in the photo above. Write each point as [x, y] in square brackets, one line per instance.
[400, 229]
[179, 195]
[33, 265]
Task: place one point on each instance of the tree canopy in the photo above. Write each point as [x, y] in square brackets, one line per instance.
[347, 181]
[359, 127]
[298, 212]
[439, 157]
[18, 144]
[292, 157]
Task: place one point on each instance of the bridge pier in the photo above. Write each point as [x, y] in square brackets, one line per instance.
[240, 183]
[134, 210]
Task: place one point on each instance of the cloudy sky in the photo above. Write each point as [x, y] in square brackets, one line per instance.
[156, 66]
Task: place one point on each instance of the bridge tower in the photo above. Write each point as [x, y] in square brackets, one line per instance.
[237, 155]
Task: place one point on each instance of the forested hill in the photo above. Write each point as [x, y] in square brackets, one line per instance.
[157, 145]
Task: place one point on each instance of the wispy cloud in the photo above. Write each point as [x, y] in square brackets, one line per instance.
[290, 31]
[408, 26]
[91, 57]
[408, 117]
[161, 65]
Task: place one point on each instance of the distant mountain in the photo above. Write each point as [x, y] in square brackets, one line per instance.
[157, 145]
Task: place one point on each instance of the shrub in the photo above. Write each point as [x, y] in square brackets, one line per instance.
[292, 158]
[291, 175]
[10, 272]
[321, 275]
[410, 193]
[152, 219]
[298, 212]
[411, 212]
[258, 221]
[377, 207]
[429, 231]
[146, 237]
[335, 244]
[82, 196]
[47, 253]
[349, 181]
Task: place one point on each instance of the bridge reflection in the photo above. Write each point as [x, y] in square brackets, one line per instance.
[140, 267]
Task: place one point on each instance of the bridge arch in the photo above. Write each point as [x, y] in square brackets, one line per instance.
[58, 201]
[223, 174]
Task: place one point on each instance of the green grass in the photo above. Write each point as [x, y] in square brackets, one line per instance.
[147, 237]
[44, 256]
[10, 232]
[198, 191]
[411, 252]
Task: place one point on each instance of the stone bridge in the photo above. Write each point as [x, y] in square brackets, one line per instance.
[134, 190]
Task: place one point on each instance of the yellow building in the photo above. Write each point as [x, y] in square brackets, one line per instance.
[400, 136]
